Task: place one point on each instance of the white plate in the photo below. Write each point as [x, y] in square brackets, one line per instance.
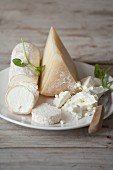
[83, 71]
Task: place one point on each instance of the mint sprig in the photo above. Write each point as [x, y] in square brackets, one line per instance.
[102, 74]
[18, 62]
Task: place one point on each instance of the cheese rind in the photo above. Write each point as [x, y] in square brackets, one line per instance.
[60, 73]
[21, 78]
[34, 57]
[46, 114]
[22, 86]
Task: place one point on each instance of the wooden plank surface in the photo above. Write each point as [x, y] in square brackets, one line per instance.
[16, 136]
[86, 28]
[56, 158]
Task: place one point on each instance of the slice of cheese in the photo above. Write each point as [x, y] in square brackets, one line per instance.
[20, 100]
[21, 78]
[61, 99]
[60, 73]
[29, 85]
[46, 114]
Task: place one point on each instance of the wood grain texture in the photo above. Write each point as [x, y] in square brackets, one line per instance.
[56, 158]
[86, 29]
[16, 136]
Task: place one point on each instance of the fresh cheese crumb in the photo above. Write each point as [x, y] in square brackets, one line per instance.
[62, 122]
[61, 99]
[80, 103]
[99, 91]
[46, 114]
[90, 82]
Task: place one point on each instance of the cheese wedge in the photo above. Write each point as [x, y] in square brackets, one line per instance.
[60, 73]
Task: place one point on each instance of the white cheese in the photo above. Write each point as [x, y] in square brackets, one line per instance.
[46, 114]
[99, 91]
[21, 78]
[34, 57]
[80, 103]
[61, 98]
[90, 82]
[20, 100]
[23, 92]
[30, 86]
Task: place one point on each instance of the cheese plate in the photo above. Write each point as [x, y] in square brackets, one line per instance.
[83, 70]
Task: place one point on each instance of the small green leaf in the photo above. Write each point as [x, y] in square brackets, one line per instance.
[40, 68]
[18, 62]
[103, 75]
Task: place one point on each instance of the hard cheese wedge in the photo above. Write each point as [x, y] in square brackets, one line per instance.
[60, 73]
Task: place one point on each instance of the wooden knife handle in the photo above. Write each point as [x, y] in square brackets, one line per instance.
[97, 120]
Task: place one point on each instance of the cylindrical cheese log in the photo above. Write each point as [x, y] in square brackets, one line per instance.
[22, 93]
[34, 56]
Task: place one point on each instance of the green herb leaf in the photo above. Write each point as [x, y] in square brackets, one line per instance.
[40, 68]
[103, 75]
[18, 62]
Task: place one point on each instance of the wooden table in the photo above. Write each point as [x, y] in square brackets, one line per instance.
[86, 28]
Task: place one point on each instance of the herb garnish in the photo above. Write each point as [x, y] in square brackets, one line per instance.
[103, 75]
[18, 62]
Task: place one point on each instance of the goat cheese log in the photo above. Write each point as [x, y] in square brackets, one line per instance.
[22, 93]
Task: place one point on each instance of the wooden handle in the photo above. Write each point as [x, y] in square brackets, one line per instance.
[97, 120]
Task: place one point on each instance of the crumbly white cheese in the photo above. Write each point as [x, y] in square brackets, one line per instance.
[61, 98]
[46, 114]
[80, 103]
[99, 91]
[90, 82]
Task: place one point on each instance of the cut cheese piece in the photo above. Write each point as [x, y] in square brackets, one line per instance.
[46, 114]
[20, 100]
[30, 86]
[60, 73]
[34, 57]
[61, 99]
[90, 82]
[21, 78]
